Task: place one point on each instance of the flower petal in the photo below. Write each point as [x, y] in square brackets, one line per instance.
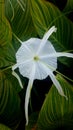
[50, 31]
[26, 68]
[28, 91]
[40, 71]
[33, 44]
[17, 65]
[57, 54]
[18, 78]
[54, 80]
[28, 49]
[57, 85]
[23, 53]
[45, 38]
[14, 66]
[44, 55]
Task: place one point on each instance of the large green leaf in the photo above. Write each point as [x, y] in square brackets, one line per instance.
[10, 104]
[18, 13]
[57, 112]
[27, 19]
[6, 49]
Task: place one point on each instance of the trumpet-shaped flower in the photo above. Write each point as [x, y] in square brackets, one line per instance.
[36, 59]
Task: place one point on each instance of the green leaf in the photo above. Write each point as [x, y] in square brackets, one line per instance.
[3, 127]
[5, 29]
[6, 48]
[11, 79]
[1, 7]
[10, 104]
[44, 15]
[69, 6]
[18, 13]
[57, 112]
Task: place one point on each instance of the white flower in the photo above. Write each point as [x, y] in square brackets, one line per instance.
[36, 59]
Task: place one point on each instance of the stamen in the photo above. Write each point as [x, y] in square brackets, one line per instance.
[36, 58]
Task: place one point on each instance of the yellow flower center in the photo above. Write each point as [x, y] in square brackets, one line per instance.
[36, 58]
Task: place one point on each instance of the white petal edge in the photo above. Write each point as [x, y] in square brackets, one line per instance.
[18, 78]
[25, 42]
[57, 54]
[54, 80]
[18, 64]
[45, 38]
[28, 91]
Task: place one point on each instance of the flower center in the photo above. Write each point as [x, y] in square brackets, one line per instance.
[36, 58]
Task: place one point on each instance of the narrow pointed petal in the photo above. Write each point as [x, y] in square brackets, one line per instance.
[57, 54]
[45, 58]
[48, 34]
[14, 67]
[28, 91]
[27, 97]
[57, 85]
[45, 38]
[54, 80]
[18, 78]
[17, 65]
